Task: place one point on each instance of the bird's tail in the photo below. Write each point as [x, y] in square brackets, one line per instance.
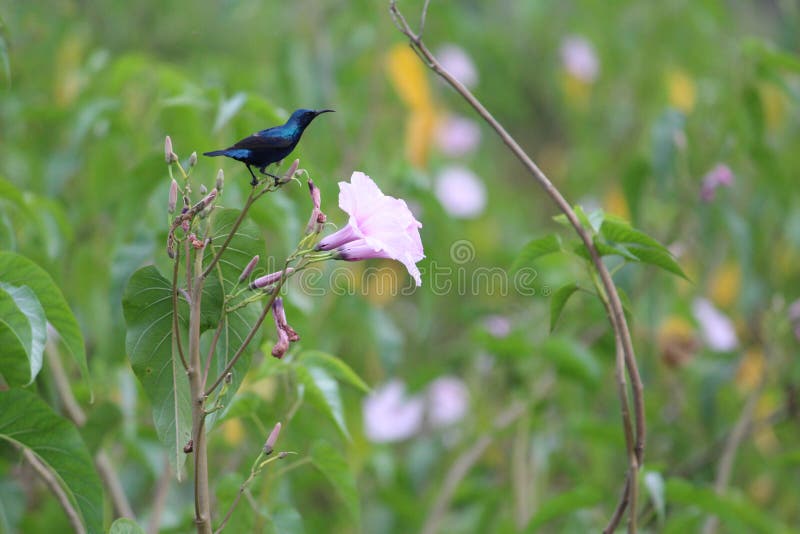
[215, 153]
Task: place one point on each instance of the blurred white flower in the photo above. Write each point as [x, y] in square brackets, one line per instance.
[457, 136]
[448, 400]
[497, 325]
[457, 62]
[460, 192]
[391, 416]
[716, 328]
[579, 58]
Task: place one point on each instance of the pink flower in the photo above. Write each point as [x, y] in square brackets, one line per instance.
[380, 226]
[717, 329]
[720, 175]
[448, 401]
[460, 192]
[579, 58]
[391, 416]
[457, 136]
[457, 62]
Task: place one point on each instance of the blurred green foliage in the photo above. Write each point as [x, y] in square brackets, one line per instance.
[90, 90]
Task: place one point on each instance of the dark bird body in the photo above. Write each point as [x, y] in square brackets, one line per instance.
[271, 145]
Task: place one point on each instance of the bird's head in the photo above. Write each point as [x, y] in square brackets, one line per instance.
[303, 117]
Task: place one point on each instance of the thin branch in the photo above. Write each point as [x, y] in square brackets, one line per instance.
[52, 483]
[616, 316]
[122, 508]
[176, 333]
[159, 498]
[250, 199]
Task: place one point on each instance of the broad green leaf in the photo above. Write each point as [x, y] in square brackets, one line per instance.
[322, 391]
[147, 305]
[12, 504]
[572, 359]
[28, 422]
[603, 249]
[536, 249]
[17, 271]
[332, 464]
[619, 231]
[23, 333]
[123, 525]
[659, 258]
[565, 504]
[335, 366]
[287, 520]
[558, 300]
[767, 53]
[731, 509]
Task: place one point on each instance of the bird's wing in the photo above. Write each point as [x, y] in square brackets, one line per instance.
[265, 139]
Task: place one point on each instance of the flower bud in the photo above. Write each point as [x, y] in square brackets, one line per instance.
[169, 155]
[292, 169]
[220, 180]
[248, 269]
[173, 196]
[317, 219]
[282, 345]
[269, 446]
[269, 279]
[193, 159]
[203, 189]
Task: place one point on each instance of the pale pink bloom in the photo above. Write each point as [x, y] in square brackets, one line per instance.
[720, 175]
[716, 328]
[269, 445]
[457, 136]
[380, 226]
[391, 416]
[457, 62]
[498, 326]
[579, 58]
[460, 192]
[448, 401]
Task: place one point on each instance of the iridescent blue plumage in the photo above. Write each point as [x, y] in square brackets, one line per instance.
[271, 145]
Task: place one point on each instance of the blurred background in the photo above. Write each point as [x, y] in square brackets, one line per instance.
[680, 116]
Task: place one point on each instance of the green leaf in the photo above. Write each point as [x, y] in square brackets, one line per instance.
[123, 525]
[27, 422]
[147, 306]
[565, 504]
[654, 483]
[536, 249]
[23, 333]
[558, 300]
[287, 520]
[572, 360]
[603, 249]
[332, 464]
[729, 508]
[322, 391]
[12, 504]
[17, 271]
[104, 419]
[619, 231]
[659, 258]
[335, 366]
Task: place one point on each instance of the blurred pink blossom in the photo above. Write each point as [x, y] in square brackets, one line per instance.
[579, 58]
[448, 401]
[716, 328]
[498, 326]
[457, 136]
[457, 62]
[380, 226]
[460, 192]
[391, 416]
[794, 318]
[720, 175]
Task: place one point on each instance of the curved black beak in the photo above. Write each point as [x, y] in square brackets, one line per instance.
[321, 111]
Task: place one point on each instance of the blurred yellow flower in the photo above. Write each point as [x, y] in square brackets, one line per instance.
[614, 203]
[233, 432]
[577, 91]
[407, 76]
[773, 102]
[677, 341]
[725, 285]
[751, 370]
[68, 63]
[681, 90]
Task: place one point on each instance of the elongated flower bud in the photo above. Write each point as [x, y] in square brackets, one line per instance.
[269, 446]
[193, 159]
[279, 315]
[317, 219]
[248, 269]
[290, 173]
[220, 180]
[173, 196]
[269, 279]
[169, 155]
